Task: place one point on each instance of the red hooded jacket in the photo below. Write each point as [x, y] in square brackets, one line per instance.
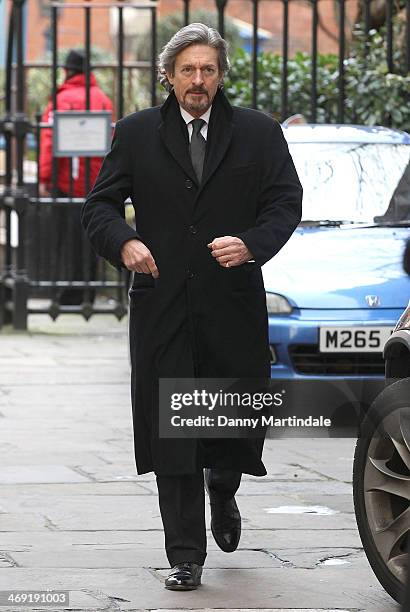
[70, 96]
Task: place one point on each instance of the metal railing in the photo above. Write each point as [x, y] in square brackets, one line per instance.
[33, 260]
[43, 235]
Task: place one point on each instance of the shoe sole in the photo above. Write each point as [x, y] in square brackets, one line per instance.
[181, 587]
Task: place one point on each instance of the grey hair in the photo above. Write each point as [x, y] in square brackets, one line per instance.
[192, 34]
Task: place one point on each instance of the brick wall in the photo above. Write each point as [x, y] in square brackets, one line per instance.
[71, 23]
[271, 19]
[71, 28]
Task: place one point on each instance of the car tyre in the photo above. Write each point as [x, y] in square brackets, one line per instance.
[381, 486]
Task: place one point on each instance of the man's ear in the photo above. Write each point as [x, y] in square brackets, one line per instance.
[170, 78]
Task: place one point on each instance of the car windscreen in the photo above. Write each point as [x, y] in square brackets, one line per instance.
[352, 181]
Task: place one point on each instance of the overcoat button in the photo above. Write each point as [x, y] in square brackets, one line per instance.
[192, 229]
[188, 184]
[190, 274]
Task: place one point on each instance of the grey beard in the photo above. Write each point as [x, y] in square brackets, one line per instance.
[199, 105]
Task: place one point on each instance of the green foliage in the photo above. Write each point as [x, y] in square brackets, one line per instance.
[373, 95]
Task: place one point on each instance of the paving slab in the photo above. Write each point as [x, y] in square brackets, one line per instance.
[255, 610]
[75, 515]
[222, 588]
[14, 492]
[101, 557]
[39, 474]
[78, 600]
[256, 539]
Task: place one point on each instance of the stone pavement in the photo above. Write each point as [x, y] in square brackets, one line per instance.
[74, 515]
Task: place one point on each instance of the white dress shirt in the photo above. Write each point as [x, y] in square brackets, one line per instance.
[204, 130]
[187, 118]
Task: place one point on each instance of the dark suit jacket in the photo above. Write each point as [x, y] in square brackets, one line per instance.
[198, 318]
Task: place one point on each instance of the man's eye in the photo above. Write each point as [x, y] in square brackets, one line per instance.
[187, 70]
[210, 70]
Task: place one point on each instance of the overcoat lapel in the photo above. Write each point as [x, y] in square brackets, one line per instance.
[174, 135]
[219, 136]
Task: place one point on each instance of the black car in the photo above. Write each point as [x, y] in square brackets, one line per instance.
[381, 471]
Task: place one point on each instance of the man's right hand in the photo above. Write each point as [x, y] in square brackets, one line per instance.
[137, 257]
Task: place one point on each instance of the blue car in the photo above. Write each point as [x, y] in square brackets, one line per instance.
[337, 288]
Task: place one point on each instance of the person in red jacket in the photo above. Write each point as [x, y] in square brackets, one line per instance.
[71, 96]
[70, 257]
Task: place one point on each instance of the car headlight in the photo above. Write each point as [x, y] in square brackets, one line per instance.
[277, 304]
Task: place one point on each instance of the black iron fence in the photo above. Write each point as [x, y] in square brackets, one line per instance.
[43, 251]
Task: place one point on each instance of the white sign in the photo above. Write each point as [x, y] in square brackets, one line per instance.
[81, 133]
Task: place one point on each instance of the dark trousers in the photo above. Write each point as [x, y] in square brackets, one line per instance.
[182, 506]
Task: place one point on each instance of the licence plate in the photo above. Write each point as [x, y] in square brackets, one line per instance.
[353, 339]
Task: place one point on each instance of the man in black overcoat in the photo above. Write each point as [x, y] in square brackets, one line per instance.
[216, 195]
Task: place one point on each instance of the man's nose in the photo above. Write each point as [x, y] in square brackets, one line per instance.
[198, 78]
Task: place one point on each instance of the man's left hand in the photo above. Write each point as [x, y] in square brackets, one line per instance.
[229, 251]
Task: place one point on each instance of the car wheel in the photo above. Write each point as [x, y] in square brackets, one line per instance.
[381, 485]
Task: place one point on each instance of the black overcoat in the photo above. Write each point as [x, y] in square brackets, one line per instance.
[197, 318]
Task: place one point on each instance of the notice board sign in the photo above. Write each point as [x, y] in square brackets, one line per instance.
[81, 133]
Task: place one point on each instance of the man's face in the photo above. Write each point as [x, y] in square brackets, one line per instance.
[196, 78]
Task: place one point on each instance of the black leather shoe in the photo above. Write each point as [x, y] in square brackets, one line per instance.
[225, 518]
[184, 577]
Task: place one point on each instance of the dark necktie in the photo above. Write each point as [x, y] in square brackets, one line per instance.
[197, 147]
